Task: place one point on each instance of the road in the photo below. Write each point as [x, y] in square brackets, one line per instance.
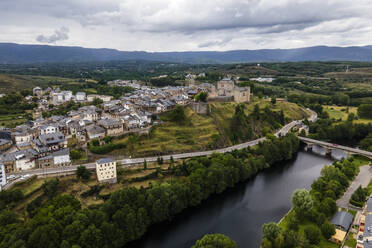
[363, 178]
[132, 161]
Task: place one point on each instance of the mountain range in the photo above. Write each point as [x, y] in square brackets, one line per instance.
[11, 53]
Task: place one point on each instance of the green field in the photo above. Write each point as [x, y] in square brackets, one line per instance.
[12, 120]
[342, 112]
[11, 82]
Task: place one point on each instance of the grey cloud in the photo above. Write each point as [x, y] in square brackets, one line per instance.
[219, 43]
[59, 35]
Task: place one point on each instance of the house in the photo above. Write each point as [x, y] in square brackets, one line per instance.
[22, 137]
[47, 129]
[104, 98]
[80, 96]
[61, 158]
[5, 144]
[95, 132]
[113, 127]
[342, 222]
[37, 91]
[19, 160]
[54, 141]
[106, 170]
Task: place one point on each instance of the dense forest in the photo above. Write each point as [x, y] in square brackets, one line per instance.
[54, 220]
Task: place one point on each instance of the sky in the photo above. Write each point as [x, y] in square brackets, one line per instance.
[187, 25]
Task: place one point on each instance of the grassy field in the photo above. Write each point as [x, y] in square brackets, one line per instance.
[324, 243]
[342, 112]
[200, 133]
[12, 82]
[12, 120]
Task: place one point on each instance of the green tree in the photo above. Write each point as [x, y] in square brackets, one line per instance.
[83, 173]
[50, 188]
[328, 229]
[75, 154]
[302, 202]
[215, 241]
[313, 234]
[145, 164]
[201, 97]
[273, 100]
[271, 231]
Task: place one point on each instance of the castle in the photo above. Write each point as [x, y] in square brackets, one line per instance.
[227, 90]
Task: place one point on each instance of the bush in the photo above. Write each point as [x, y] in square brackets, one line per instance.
[215, 241]
[312, 233]
[76, 154]
[83, 173]
[50, 188]
[106, 148]
[328, 229]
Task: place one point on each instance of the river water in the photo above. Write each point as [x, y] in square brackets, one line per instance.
[241, 211]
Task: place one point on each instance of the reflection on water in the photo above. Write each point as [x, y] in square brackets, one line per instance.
[241, 211]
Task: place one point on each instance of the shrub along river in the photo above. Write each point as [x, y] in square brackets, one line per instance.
[241, 211]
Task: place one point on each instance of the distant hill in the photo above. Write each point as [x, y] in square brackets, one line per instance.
[15, 53]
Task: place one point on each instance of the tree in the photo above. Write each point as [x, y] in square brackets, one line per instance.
[145, 164]
[178, 115]
[313, 234]
[96, 101]
[215, 241]
[201, 97]
[75, 154]
[328, 229]
[302, 202]
[273, 100]
[365, 111]
[50, 188]
[83, 173]
[271, 231]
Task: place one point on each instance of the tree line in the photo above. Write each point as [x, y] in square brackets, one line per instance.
[61, 221]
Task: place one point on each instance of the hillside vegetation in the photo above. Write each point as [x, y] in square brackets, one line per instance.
[204, 132]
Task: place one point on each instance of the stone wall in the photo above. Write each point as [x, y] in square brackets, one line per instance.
[200, 107]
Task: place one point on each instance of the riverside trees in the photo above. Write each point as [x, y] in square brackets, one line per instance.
[127, 214]
[312, 209]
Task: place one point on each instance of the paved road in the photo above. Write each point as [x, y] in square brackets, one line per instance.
[130, 162]
[363, 179]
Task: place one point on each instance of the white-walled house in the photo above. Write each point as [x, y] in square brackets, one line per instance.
[47, 129]
[61, 158]
[106, 170]
[80, 96]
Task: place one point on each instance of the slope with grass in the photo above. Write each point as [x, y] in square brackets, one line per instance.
[201, 132]
[11, 82]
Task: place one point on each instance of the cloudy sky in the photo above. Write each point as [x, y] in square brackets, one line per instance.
[184, 25]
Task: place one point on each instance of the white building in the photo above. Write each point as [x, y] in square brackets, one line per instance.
[23, 137]
[46, 129]
[24, 162]
[2, 175]
[62, 157]
[80, 96]
[106, 170]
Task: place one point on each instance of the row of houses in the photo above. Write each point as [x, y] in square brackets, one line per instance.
[364, 237]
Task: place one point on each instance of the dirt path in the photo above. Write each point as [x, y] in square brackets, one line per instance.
[363, 178]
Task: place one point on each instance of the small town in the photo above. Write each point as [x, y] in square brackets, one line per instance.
[185, 124]
[43, 143]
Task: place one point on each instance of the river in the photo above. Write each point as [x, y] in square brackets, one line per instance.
[241, 211]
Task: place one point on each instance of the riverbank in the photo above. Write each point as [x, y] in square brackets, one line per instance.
[361, 165]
